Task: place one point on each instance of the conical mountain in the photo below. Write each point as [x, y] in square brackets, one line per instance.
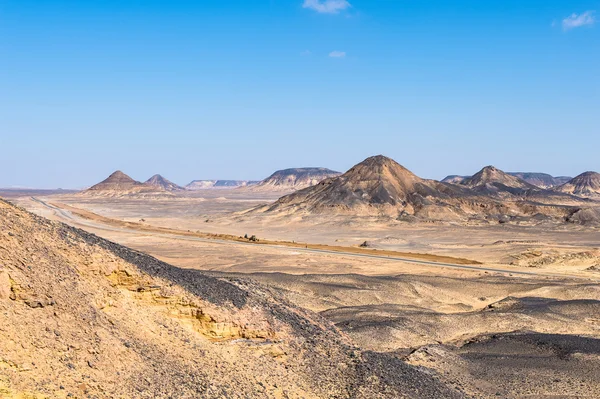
[376, 185]
[160, 182]
[586, 184]
[118, 183]
[114, 181]
[295, 178]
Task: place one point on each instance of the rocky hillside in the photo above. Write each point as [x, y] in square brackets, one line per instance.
[295, 179]
[84, 317]
[379, 186]
[204, 184]
[119, 184]
[163, 184]
[540, 180]
[585, 185]
[493, 181]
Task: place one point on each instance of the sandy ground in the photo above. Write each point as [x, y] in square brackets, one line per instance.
[545, 283]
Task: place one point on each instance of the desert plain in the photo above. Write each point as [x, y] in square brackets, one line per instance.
[491, 309]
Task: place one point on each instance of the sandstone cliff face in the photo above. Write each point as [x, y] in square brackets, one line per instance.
[84, 317]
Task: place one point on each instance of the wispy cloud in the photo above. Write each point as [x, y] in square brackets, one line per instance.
[327, 6]
[337, 54]
[574, 20]
[306, 53]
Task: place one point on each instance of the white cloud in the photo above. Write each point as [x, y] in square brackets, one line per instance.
[578, 20]
[337, 54]
[326, 6]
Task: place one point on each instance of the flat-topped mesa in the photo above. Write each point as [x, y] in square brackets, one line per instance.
[160, 182]
[541, 180]
[207, 184]
[586, 184]
[454, 179]
[295, 178]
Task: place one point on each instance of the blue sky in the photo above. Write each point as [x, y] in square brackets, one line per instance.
[236, 89]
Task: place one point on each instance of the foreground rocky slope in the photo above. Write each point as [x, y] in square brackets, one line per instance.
[84, 317]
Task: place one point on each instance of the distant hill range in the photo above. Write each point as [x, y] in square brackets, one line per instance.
[585, 185]
[161, 183]
[205, 184]
[541, 180]
[379, 186]
[119, 184]
[295, 179]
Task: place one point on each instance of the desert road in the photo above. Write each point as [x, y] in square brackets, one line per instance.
[77, 221]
